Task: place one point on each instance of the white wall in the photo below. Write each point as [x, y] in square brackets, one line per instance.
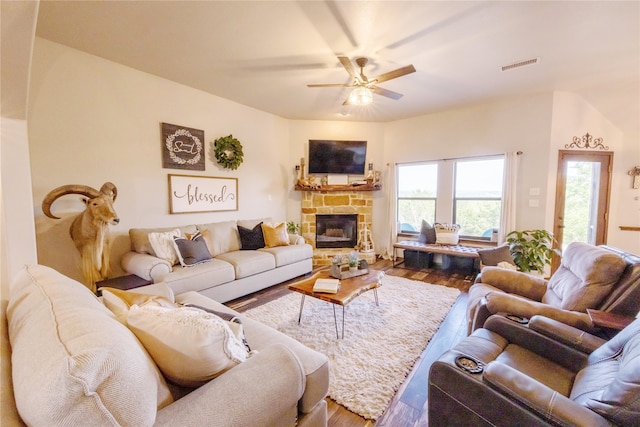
[93, 121]
[301, 131]
[17, 236]
[521, 123]
[572, 116]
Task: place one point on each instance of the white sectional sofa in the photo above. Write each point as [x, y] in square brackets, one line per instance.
[231, 273]
[68, 360]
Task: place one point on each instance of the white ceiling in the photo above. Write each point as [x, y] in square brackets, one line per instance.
[264, 53]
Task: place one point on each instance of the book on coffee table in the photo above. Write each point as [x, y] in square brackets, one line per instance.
[329, 286]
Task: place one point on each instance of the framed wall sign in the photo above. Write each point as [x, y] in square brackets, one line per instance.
[189, 194]
[182, 147]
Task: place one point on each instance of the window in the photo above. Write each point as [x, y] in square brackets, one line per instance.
[477, 199]
[465, 191]
[417, 190]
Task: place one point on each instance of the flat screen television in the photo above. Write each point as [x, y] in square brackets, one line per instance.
[337, 157]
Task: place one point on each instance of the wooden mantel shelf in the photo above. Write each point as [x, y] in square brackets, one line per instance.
[629, 228]
[348, 187]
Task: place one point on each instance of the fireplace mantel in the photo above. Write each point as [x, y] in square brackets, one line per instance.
[348, 187]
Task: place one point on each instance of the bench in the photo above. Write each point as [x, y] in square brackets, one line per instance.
[455, 251]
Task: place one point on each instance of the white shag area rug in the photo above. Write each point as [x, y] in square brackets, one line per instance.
[380, 345]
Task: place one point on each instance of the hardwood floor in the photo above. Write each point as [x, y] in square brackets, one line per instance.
[409, 405]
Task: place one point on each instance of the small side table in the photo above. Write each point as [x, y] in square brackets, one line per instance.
[608, 320]
[130, 281]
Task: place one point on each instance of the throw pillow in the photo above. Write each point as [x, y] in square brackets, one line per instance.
[447, 234]
[251, 239]
[119, 302]
[68, 351]
[495, 256]
[206, 235]
[192, 250]
[190, 346]
[275, 235]
[162, 244]
[427, 233]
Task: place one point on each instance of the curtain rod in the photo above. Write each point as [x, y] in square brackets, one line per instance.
[519, 153]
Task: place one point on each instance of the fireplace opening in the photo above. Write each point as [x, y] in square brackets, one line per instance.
[337, 231]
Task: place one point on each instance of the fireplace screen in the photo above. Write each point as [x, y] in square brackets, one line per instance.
[336, 231]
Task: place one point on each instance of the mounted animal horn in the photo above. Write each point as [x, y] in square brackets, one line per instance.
[110, 189]
[54, 194]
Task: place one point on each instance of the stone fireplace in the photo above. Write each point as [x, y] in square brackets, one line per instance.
[357, 204]
[336, 231]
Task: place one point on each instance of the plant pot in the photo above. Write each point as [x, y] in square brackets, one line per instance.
[352, 269]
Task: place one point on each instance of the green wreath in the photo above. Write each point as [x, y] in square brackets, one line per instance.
[228, 152]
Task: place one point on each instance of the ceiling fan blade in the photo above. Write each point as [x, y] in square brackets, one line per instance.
[395, 74]
[330, 85]
[386, 92]
[346, 63]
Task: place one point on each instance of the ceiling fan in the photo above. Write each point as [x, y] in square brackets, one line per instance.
[363, 86]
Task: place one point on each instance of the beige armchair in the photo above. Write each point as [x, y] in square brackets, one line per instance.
[589, 276]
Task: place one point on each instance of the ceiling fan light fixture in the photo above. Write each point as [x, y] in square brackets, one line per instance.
[361, 95]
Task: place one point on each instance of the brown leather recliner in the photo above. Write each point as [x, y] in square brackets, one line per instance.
[598, 277]
[548, 373]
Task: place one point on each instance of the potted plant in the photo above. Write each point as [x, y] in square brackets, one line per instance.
[531, 249]
[292, 227]
[354, 260]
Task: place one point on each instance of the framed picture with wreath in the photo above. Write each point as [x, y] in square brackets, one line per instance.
[182, 147]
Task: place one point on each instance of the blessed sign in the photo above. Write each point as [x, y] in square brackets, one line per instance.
[189, 194]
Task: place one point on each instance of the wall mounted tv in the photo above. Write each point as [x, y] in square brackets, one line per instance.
[337, 157]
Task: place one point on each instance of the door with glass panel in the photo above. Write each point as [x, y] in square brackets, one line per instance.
[582, 197]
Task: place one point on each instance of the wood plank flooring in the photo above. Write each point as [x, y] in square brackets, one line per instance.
[409, 405]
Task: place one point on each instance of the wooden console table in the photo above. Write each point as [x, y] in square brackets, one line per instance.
[125, 283]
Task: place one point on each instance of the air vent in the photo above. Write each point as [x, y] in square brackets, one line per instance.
[520, 64]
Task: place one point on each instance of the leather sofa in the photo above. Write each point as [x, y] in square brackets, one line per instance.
[549, 373]
[231, 273]
[597, 277]
[68, 360]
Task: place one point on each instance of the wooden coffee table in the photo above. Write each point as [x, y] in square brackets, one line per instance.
[349, 289]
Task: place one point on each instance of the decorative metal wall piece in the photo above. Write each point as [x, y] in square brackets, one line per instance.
[635, 173]
[182, 147]
[587, 141]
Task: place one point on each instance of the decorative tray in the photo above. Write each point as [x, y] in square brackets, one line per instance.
[341, 271]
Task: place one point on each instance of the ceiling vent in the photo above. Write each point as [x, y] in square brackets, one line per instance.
[519, 64]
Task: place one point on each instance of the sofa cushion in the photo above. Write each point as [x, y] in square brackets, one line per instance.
[119, 302]
[140, 237]
[494, 256]
[163, 246]
[260, 336]
[223, 236]
[285, 255]
[191, 249]
[248, 263]
[250, 223]
[73, 362]
[190, 346]
[251, 238]
[201, 276]
[586, 276]
[427, 233]
[275, 234]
